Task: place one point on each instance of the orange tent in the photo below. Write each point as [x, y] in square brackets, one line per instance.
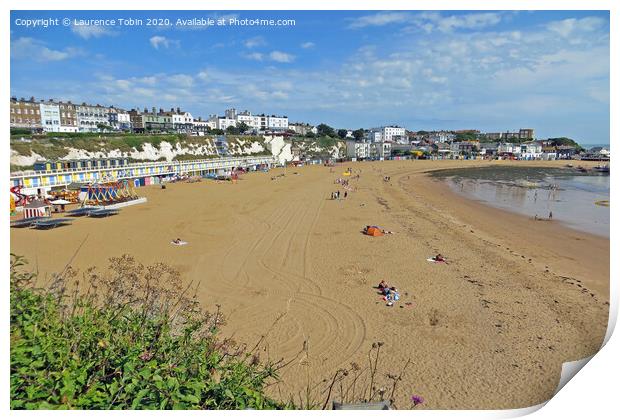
[374, 231]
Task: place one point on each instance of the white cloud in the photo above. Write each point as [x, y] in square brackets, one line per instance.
[157, 41]
[257, 41]
[33, 49]
[254, 56]
[568, 27]
[203, 75]
[307, 45]
[281, 57]
[88, 32]
[181, 80]
[278, 56]
[379, 19]
[434, 21]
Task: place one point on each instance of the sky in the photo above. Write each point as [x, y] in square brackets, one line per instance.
[488, 70]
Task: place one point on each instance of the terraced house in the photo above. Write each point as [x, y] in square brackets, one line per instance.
[91, 118]
[157, 121]
[25, 113]
[68, 117]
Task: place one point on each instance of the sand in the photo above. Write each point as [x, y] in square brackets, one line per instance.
[489, 330]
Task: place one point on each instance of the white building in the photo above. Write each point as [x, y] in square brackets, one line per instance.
[224, 122]
[358, 150]
[277, 123]
[119, 119]
[442, 137]
[530, 151]
[50, 117]
[388, 133]
[182, 121]
[201, 128]
[91, 117]
[252, 121]
[374, 135]
[380, 150]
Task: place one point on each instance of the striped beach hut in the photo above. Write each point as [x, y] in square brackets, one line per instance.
[37, 208]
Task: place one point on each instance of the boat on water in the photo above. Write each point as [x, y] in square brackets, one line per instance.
[602, 168]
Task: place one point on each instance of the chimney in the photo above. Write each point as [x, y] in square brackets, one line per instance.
[154, 110]
[178, 110]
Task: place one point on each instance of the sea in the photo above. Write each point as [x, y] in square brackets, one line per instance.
[575, 199]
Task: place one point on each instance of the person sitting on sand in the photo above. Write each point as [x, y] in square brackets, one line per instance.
[439, 258]
[383, 285]
[177, 241]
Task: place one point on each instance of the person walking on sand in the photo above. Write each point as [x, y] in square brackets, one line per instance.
[345, 194]
[550, 215]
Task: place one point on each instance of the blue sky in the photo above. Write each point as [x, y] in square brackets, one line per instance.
[490, 70]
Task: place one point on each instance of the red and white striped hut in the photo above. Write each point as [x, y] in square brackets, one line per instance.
[37, 208]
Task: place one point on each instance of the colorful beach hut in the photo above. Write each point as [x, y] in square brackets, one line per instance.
[37, 208]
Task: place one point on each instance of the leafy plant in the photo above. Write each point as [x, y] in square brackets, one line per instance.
[129, 338]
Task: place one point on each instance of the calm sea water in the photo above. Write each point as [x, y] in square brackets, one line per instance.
[569, 195]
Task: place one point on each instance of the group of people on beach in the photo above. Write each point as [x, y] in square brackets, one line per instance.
[336, 195]
[390, 294]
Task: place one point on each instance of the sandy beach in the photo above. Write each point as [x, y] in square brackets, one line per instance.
[489, 330]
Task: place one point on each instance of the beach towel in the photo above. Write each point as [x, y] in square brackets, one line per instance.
[433, 261]
[178, 243]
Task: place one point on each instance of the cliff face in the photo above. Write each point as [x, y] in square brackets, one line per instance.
[26, 153]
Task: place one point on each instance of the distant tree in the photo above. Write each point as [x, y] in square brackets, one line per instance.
[358, 134]
[422, 133]
[342, 133]
[104, 127]
[232, 130]
[565, 141]
[216, 131]
[310, 135]
[467, 136]
[242, 127]
[325, 130]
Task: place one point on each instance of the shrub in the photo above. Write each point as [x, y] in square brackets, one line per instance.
[130, 338]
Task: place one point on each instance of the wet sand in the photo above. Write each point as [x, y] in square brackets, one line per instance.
[488, 330]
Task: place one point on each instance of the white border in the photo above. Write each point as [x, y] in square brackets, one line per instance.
[592, 393]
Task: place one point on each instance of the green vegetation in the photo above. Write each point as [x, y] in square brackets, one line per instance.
[134, 340]
[359, 134]
[466, 136]
[324, 130]
[565, 141]
[135, 337]
[20, 132]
